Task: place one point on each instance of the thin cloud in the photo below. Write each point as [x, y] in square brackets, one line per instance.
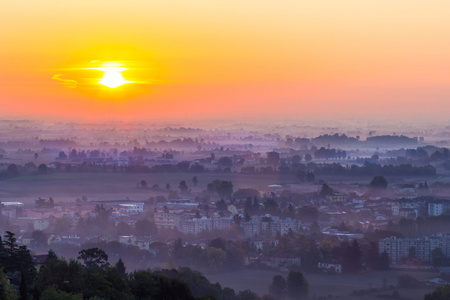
[68, 83]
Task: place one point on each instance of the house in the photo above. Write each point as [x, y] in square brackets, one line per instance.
[27, 238]
[41, 224]
[438, 281]
[286, 260]
[337, 197]
[132, 240]
[39, 260]
[330, 266]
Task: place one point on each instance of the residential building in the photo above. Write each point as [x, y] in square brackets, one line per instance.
[398, 248]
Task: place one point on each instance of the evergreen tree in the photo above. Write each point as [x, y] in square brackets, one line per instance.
[372, 256]
[23, 288]
[352, 258]
[7, 291]
[15, 258]
[121, 267]
[183, 187]
[383, 263]
[440, 293]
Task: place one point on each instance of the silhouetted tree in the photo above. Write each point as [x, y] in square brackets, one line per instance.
[225, 162]
[297, 286]
[228, 294]
[247, 295]
[278, 287]
[7, 291]
[379, 182]
[437, 257]
[143, 184]
[383, 261]
[23, 288]
[221, 188]
[145, 227]
[42, 169]
[183, 187]
[51, 255]
[351, 262]
[121, 267]
[310, 177]
[440, 293]
[326, 191]
[94, 258]
[273, 158]
[12, 170]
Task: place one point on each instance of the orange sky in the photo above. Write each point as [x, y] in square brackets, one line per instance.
[227, 58]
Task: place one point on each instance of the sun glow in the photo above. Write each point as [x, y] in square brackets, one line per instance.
[113, 77]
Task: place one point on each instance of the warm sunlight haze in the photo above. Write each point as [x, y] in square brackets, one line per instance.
[328, 58]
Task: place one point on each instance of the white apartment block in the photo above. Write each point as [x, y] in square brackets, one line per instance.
[438, 208]
[398, 248]
[270, 224]
[41, 224]
[166, 220]
[197, 225]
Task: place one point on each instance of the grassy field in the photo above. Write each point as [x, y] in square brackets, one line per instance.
[117, 186]
[324, 285]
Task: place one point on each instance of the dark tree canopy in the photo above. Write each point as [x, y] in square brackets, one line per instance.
[440, 293]
[297, 286]
[94, 258]
[326, 190]
[143, 184]
[221, 188]
[273, 158]
[183, 186]
[352, 258]
[121, 267]
[42, 169]
[145, 227]
[278, 287]
[379, 182]
[225, 162]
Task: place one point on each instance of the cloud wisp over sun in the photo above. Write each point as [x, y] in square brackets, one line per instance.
[68, 83]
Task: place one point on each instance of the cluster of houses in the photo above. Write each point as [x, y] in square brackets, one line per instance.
[188, 217]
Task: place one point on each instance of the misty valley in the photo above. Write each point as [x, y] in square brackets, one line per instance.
[158, 211]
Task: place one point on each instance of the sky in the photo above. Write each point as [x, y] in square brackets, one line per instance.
[221, 59]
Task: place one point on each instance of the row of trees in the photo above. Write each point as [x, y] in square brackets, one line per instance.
[91, 276]
[294, 287]
[422, 226]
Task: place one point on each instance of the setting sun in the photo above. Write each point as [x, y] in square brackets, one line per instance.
[113, 77]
